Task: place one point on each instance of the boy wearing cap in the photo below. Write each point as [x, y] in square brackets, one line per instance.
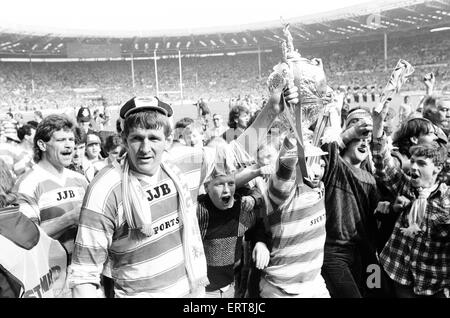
[351, 197]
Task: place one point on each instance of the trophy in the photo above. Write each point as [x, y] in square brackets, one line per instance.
[309, 78]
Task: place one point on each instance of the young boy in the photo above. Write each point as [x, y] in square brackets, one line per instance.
[223, 219]
[417, 253]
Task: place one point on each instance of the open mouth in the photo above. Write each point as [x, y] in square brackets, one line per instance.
[66, 154]
[414, 176]
[362, 150]
[226, 199]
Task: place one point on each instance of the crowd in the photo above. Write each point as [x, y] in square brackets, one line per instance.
[355, 65]
[237, 207]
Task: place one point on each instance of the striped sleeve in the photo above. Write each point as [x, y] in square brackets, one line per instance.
[95, 230]
[29, 207]
[283, 180]
[203, 217]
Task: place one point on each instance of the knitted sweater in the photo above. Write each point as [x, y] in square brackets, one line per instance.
[351, 197]
[222, 232]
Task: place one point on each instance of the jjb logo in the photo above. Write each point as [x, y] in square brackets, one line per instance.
[56, 197]
[65, 194]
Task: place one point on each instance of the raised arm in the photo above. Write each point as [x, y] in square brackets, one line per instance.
[282, 182]
[256, 133]
[386, 170]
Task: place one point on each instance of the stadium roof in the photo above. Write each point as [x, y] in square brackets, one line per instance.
[363, 20]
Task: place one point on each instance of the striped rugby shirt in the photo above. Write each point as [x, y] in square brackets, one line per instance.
[297, 224]
[54, 196]
[155, 266]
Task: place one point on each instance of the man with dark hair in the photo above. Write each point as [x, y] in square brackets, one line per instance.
[178, 139]
[26, 135]
[238, 119]
[79, 160]
[57, 190]
[413, 132]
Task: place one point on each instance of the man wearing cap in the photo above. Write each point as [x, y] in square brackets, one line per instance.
[141, 215]
[351, 197]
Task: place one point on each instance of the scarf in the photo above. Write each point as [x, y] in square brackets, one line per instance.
[417, 212]
[138, 216]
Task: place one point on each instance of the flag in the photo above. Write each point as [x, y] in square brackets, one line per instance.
[398, 77]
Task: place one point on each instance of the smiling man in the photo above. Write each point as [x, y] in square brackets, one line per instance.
[417, 252]
[351, 197]
[58, 191]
